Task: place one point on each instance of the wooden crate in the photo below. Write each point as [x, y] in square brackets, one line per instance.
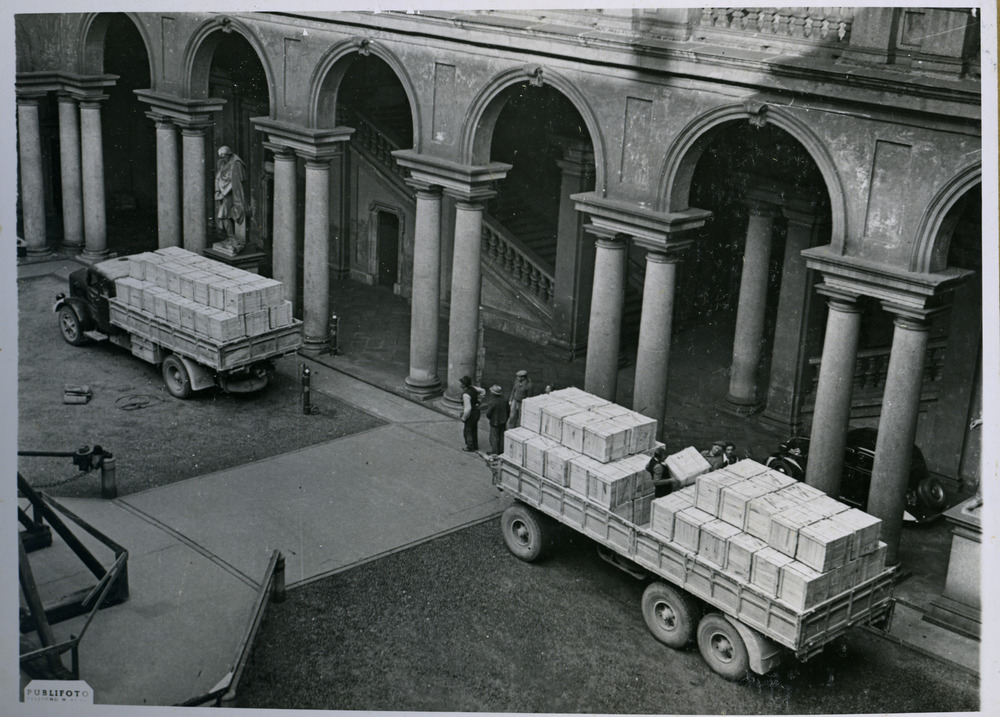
[552, 415]
[610, 410]
[257, 322]
[642, 507]
[534, 453]
[736, 497]
[531, 412]
[826, 506]
[200, 281]
[715, 535]
[765, 573]
[687, 465]
[217, 294]
[610, 485]
[513, 444]
[573, 427]
[824, 544]
[636, 465]
[187, 310]
[783, 535]
[773, 479]
[739, 554]
[137, 266]
[224, 326]
[557, 461]
[745, 469]
[280, 314]
[662, 511]
[761, 510]
[641, 433]
[708, 490]
[866, 530]
[687, 527]
[801, 587]
[873, 563]
[606, 440]
[801, 492]
[579, 473]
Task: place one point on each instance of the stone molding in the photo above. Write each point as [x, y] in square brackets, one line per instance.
[185, 113]
[307, 142]
[649, 229]
[471, 183]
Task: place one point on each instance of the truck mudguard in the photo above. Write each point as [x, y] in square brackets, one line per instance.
[200, 376]
[765, 654]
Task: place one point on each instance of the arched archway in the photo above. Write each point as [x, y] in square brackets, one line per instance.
[933, 238]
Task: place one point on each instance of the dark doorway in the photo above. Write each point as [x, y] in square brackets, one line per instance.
[387, 241]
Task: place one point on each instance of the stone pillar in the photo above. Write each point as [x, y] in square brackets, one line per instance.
[70, 173]
[897, 427]
[574, 270]
[797, 317]
[95, 225]
[833, 395]
[753, 303]
[607, 302]
[32, 181]
[168, 184]
[425, 302]
[653, 356]
[285, 262]
[466, 284]
[316, 264]
[195, 187]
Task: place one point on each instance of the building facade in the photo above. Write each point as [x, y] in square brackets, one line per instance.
[591, 180]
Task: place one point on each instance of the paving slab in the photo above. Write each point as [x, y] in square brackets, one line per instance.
[328, 506]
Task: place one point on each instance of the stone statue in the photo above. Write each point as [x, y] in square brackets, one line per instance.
[231, 201]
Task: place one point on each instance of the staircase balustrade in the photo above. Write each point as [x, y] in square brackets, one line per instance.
[504, 255]
[825, 25]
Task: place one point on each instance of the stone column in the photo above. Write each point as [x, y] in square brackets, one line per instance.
[195, 187]
[653, 356]
[833, 395]
[316, 265]
[574, 270]
[168, 183]
[425, 302]
[797, 314]
[753, 303]
[285, 262]
[607, 302]
[32, 182]
[95, 225]
[466, 284]
[897, 427]
[70, 173]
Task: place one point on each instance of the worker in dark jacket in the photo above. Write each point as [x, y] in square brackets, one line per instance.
[497, 413]
[521, 390]
[470, 413]
[662, 480]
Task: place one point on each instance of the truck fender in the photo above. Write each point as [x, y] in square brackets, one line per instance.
[765, 654]
[79, 307]
[200, 376]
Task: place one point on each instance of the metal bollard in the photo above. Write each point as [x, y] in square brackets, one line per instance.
[278, 589]
[334, 334]
[306, 403]
[109, 478]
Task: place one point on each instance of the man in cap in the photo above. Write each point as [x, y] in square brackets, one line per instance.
[520, 391]
[497, 414]
[714, 455]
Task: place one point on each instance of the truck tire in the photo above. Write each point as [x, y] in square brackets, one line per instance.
[70, 326]
[524, 532]
[722, 647]
[670, 614]
[176, 378]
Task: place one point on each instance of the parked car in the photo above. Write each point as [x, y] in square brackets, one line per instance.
[925, 496]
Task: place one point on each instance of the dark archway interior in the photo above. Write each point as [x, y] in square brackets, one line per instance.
[372, 91]
[129, 142]
[527, 201]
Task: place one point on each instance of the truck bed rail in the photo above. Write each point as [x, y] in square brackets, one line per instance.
[804, 633]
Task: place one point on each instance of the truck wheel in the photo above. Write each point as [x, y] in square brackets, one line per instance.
[722, 647]
[671, 615]
[175, 376]
[523, 532]
[69, 325]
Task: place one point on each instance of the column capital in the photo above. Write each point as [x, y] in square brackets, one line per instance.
[307, 142]
[321, 163]
[838, 298]
[648, 228]
[183, 112]
[761, 206]
[462, 181]
[424, 190]
[281, 152]
[194, 130]
[668, 255]
[908, 317]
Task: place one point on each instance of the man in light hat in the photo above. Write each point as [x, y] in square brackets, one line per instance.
[520, 391]
[714, 455]
[497, 414]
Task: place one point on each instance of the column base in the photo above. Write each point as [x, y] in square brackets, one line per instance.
[71, 247]
[315, 345]
[423, 389]
[43, 253]
[744, 404]
[95, 256]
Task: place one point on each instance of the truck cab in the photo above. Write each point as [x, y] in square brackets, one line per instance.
[86, 308]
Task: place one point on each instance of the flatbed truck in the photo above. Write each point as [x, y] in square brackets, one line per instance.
[737, 626]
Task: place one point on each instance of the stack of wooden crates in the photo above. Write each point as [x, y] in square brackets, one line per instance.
[210, 299]
[789, 540]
